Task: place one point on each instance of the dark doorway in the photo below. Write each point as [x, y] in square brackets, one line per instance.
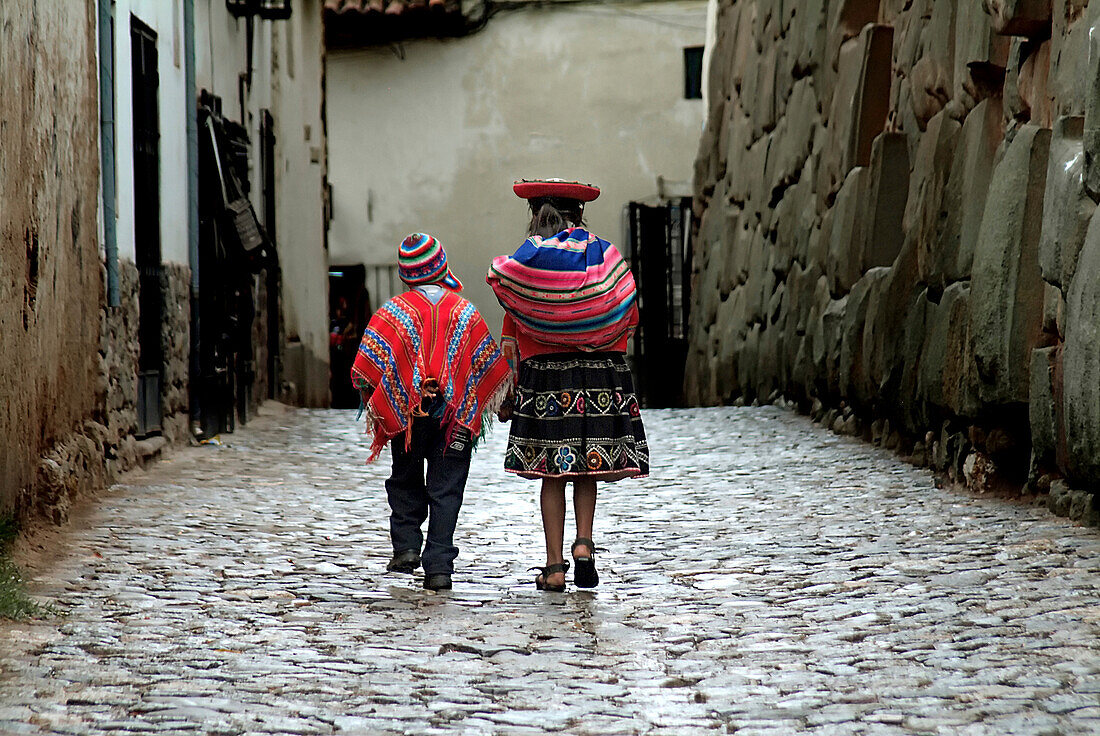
[233, 250]
[272, 274]
[660, 258]
[349, 310]
[147, 225]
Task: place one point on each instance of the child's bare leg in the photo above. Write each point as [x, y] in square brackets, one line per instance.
[553, 523]
[584, 505]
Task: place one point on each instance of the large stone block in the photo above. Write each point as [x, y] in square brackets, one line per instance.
[931, 166]
[705, 172]
[794, 136]
[739, 154]
[729, 335]
[843, 266]
[815, 327]
[932, 77]
[764, 104]
[887, 308]
[706, 297]
[747, 360]
[1067, 207]
[905, 404]
[817, 249]
[759, 281]
[852, 372]
[832, 333]
[794, 222]
[1081, 361]
[887, 197]
[1069, 82]
[907, 51]
[726, 20]
[1006, 291]
[1015, 107]
[948, 378]
[965, 194]
[1092, 108]
[961, 386]
[1044, 408]
[859, 105]
[801, 284]
[1031, 18]
[759, 193]
[847, 19]
[808, 36]
[977, 49]
[1054, 313]
[1033, 84]
[742, 60]
[893, 11]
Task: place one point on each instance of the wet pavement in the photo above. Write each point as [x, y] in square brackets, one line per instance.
[768, 578]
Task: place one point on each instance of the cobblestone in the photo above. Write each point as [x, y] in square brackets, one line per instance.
[769, 578]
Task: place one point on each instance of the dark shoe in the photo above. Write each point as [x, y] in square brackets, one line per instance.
[439, 581]
[546, 572]
[406, 562]
[586, 575]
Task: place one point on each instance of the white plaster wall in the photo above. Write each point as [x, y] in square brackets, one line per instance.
[288, 83]
[430, 135]
[166, 18]
[300, 147]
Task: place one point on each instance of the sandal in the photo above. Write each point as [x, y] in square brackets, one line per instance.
[586, 575]
[546, 572]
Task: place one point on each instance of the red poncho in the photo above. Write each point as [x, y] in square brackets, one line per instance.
[411, 341]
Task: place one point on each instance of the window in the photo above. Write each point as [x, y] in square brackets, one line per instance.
[693, 73]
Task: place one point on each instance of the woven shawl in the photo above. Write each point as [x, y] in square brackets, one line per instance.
[573, 289]
[410, 340]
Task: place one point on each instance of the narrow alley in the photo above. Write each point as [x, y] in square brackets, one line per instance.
[769, 578]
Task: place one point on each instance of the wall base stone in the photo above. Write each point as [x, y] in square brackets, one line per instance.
[94, 454]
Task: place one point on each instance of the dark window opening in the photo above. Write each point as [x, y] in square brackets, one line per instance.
[693, 73]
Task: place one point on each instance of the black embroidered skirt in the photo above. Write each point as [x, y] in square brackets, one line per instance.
[576, 415]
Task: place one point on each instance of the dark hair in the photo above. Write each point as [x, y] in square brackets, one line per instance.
[551, 215]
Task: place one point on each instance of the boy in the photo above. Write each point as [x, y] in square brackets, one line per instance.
[430, 376]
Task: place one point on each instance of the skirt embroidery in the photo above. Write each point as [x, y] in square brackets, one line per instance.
[576, 416]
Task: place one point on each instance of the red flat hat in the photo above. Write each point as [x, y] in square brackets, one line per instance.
[534, 188]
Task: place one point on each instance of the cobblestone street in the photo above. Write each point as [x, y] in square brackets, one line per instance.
[770, 577]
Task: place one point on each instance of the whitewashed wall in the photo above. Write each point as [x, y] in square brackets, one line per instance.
[165, 17]
[429, 135]
[286, 79]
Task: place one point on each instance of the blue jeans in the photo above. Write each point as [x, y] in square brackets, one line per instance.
[436, 496]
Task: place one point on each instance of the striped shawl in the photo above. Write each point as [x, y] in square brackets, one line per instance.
[573, 290]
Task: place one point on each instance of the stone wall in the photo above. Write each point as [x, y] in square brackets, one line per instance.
[105, 444]
[895, 228]
[176, 342]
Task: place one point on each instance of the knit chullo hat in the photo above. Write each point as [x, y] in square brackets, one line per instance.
[421, 260]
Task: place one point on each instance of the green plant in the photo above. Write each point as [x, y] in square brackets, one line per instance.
[14, 601]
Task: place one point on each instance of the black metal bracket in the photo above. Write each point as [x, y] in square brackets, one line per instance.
[265, 9]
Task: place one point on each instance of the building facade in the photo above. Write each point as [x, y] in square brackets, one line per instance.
[428, 133]
[163, 167]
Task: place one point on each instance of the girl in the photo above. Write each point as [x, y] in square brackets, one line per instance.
[569, 302]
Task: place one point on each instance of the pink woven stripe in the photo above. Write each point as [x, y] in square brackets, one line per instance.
[573, 313]
[526, 277]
